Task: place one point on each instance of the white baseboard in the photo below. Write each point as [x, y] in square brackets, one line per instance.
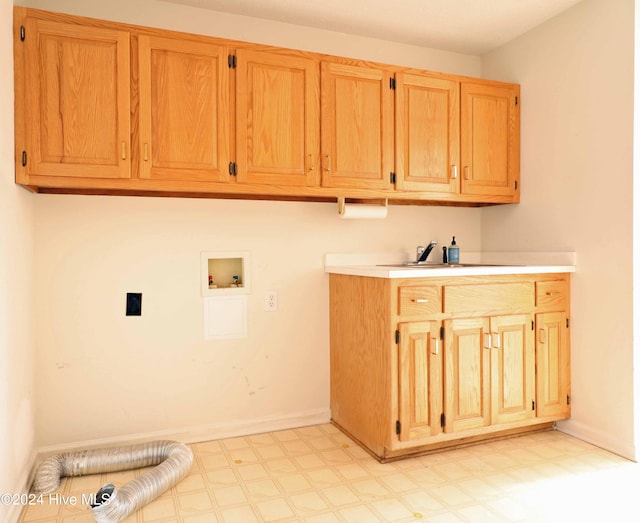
[13, 512]
[199, 433]
[599, 438]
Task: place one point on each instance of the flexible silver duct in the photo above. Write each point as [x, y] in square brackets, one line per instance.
[112, 505]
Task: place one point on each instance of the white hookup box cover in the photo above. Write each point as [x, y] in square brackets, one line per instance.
[225, 317]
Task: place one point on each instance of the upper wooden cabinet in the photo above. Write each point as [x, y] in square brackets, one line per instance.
[120, 109]
[76, 101]
[490, 132]
[427, 133]
[278, 118]
[184, 110]
[357, 127]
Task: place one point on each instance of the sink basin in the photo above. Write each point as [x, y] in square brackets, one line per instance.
[414, 265]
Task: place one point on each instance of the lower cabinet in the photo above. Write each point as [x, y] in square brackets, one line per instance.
[489, 369]
[442, 362]
[419, 380]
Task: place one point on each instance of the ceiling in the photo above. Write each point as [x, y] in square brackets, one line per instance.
[466, 26]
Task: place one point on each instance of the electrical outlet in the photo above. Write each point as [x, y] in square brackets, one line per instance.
[271, 301]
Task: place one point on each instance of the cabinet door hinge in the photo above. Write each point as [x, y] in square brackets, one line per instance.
[442, 333]
[23, 33]
[398, 427]
[232, 61]
[233, 168]
[516, 185]
[392, 177]
[397, 337]
[516, 100]
[443, 420]
[567, 323]
[392, 84]
[568, 400]
[24, 158]
[533, 405]
[532, 326]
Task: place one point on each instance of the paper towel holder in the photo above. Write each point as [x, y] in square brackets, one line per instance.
[343, 200]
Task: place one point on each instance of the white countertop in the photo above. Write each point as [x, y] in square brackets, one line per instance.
[373, 264]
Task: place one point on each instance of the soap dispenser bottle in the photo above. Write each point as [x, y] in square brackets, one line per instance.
[454, 252]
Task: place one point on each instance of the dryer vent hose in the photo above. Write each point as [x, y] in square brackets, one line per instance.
[112, 505]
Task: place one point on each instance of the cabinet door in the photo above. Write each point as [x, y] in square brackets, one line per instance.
[512, 368]
[77, 100]
[427, 133]
[467, 379]
[278, 118]
[420, 379]
[357, 127]
[552, 359]
[184, 110]
[490, 134]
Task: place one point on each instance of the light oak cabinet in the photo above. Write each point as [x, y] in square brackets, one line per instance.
[552, 348]
[184, 110]
[76, 102]
[490, 140]
[489, 371]
[419, 380]
[427, 126]
[457, 137]
[422, 364]
[357, 127]
[110, 108]
[278, 118]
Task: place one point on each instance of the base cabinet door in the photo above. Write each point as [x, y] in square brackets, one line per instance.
[552, 360]
[467, 376]
[77, 88]
[420, 380]
[489, 371]
[512, 368]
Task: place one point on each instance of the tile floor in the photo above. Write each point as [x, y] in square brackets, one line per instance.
[317, 474]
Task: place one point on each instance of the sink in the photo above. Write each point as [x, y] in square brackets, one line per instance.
[415, 265]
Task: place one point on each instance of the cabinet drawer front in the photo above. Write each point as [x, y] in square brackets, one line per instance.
[551, 293]
[423, 299]
[488, 297]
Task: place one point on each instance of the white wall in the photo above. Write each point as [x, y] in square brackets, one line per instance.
[576, 73]
[103, 375]
[16, 304]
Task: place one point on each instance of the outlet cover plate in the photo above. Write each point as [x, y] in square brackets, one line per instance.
[134, 304]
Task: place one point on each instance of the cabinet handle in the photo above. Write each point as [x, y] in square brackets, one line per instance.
[487, 341]
[454, 172]
[467, 171]
[542, 336]
[552, 293]
[328, 164]
[436, 345]
[312, 166]
[124, 150]
[146, 152]
[496, 340]
[420, 300]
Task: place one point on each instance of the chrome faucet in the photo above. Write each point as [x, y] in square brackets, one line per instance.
[422, 256]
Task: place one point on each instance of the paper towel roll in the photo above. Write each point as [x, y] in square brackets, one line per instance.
[359, 211]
